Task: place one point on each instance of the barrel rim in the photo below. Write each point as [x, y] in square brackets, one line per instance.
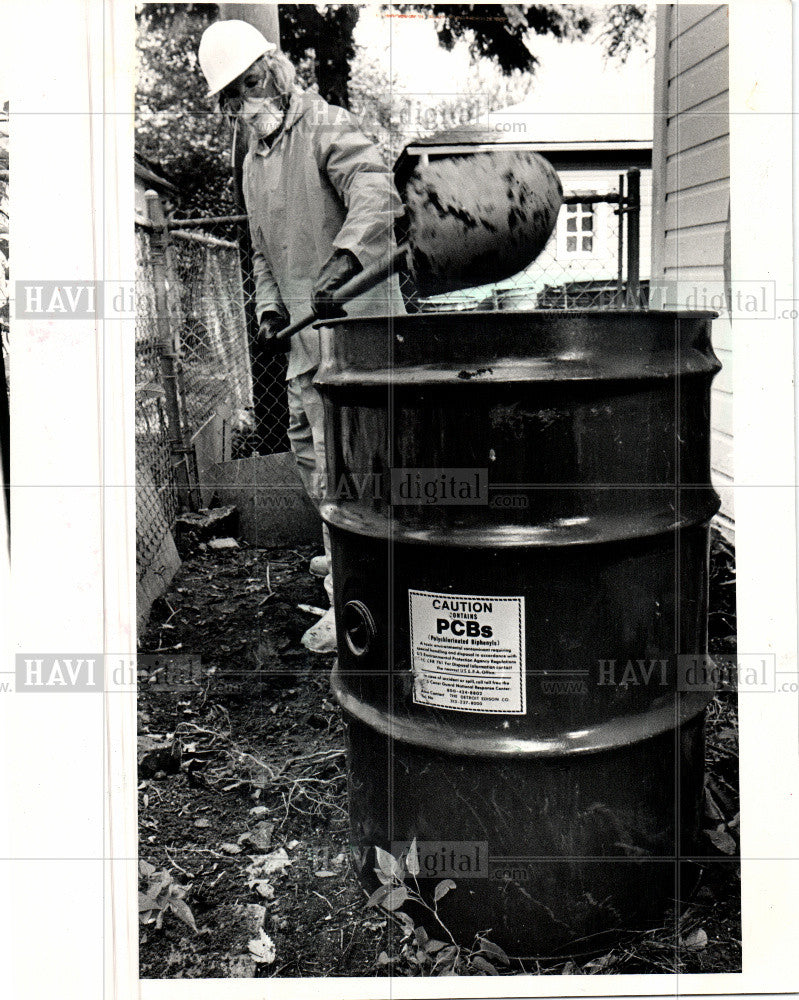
[667, 315]
[609, 735]
[614, 529]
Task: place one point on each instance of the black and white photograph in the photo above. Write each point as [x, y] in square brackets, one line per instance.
[397, 426]
[432, 567]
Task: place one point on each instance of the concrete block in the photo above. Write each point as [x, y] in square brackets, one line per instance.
[274, 508]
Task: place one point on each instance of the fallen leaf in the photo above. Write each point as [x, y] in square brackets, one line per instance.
[721, 840]
[202, 823]
[374, 925]
[260, 837]
[268, 864]
[259, 812]
[599, 963]
[262, 948]
[230, 848]
[264, 888]
[696, 941]
[484, 966]
[446, 955]
[323, 873]
[181, 910]
[494, 950]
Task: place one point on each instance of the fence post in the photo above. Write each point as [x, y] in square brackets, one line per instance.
[181, 451]
[633, 212]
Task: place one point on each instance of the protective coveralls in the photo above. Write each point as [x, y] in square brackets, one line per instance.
[320, 186]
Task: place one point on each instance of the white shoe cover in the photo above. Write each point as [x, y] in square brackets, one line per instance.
[321, 638]
[319, 566]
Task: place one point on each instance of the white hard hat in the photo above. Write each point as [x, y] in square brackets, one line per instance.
[227, 49]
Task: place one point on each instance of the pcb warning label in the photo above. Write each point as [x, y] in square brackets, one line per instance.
[467, 652]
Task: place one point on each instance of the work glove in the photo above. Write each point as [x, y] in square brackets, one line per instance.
[271, 324]
[342, 266]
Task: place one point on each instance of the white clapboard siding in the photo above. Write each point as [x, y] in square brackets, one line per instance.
[721, 410]
[709, 23]
[700, 165]
[721, 442]
[698, 206]
[723, 381]
[690, 171]
[708, 120]
[686, 16]
[698, 84]
[692, 246]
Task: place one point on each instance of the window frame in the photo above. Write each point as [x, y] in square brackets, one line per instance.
[595, 233]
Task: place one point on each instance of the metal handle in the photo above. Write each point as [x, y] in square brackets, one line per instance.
[361, 283]
[359, 627]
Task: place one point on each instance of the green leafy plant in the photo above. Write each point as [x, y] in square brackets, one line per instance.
[161, 894]
[426, 955]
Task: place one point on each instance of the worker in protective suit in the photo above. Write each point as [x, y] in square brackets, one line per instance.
[321, 205]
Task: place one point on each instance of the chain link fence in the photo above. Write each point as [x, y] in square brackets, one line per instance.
[210, 325]
[197, 355]
[156, 479]
[219, 355]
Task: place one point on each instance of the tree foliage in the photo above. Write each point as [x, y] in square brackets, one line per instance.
[626, 27]
[500, 31]
[391, 118]
[323, 34]
[179, 129]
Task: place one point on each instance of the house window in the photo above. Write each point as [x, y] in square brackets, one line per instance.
[580, 229]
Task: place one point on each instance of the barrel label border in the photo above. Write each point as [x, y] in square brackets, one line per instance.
[468, 652]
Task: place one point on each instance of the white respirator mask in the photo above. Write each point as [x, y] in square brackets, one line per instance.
[264, 115]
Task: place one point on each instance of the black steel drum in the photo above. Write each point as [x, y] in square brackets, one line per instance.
[508, 637]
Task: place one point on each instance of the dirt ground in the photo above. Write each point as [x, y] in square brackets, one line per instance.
[242, 795]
